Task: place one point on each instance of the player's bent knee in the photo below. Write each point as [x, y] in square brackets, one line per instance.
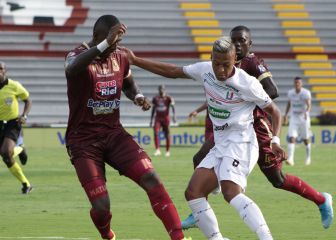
[277, 183]
[149, 180]
[193, 193]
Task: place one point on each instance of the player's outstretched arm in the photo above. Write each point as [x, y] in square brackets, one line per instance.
[275, 113]
[161, 68]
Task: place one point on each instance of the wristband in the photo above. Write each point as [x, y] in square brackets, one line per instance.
[275, 139]
[139, 95]
[103, 46]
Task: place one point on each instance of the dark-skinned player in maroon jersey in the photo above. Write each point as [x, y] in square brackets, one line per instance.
[161, 105]
[268, 162]
[96, 75]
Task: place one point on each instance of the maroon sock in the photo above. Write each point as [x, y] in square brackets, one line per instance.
[298, 186]
[166, 211]
[101, 220]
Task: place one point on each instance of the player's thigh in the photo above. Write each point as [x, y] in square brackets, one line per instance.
[126, 156]
[236, 169]
[304, 130]
[293, 128]
[165, 126]
[157, 126]
[88, 161]
[202, 182]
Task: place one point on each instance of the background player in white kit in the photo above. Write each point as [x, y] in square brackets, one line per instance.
[299, 106]
[231, 96]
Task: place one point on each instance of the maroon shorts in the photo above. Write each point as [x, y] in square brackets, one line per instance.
[267, 159]
[117, 149]
[161, 123]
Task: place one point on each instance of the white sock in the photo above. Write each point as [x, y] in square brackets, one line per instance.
[308, 150]
[291, 150]
[252, 216]
[205, 218]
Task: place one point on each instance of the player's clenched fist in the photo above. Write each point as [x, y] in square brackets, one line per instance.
[143, 102]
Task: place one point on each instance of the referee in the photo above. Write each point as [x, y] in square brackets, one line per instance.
[10, 123]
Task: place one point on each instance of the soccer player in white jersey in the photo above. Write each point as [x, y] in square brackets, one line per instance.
[231, 96]
[299, 106]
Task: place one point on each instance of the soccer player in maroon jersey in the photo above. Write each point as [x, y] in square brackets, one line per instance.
[268, 162]
[96, 74]
[161, 104]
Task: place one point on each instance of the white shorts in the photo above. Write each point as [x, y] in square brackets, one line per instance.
[236, 166]
[299, 127]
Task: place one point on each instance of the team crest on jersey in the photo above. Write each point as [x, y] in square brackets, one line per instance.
[229, 95]
[9, 101]
[106, 88]
[262, 68]
[115, 65]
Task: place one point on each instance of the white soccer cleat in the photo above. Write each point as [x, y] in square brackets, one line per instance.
[290, 161]
[167, 154]
[157, 152]
[307, 161]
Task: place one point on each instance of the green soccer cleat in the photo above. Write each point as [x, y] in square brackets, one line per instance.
[189, 222]
[326, 210]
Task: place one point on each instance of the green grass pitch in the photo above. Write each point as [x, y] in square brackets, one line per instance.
[58, 207]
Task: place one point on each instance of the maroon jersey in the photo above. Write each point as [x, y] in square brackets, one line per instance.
[257, 68]
[162, 105]
[94, 96]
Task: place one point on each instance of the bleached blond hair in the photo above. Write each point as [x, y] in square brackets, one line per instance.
[223, 45]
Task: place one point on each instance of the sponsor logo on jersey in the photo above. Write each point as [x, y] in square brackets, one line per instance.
[106, 88]
[103, 107]
[219, 113]
[221, 128]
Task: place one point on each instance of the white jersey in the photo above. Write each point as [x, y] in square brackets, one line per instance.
[230, 102]
[298, 105]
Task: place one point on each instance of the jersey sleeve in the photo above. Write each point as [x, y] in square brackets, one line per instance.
[255, 93]
[21, 92]
[259, 69]
[193, 70]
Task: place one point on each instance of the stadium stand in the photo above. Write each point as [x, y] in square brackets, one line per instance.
[175, 31]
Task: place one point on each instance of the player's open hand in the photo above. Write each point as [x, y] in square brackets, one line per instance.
[115, 33]
[278, 151]
[143, 102]
[129, 54]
